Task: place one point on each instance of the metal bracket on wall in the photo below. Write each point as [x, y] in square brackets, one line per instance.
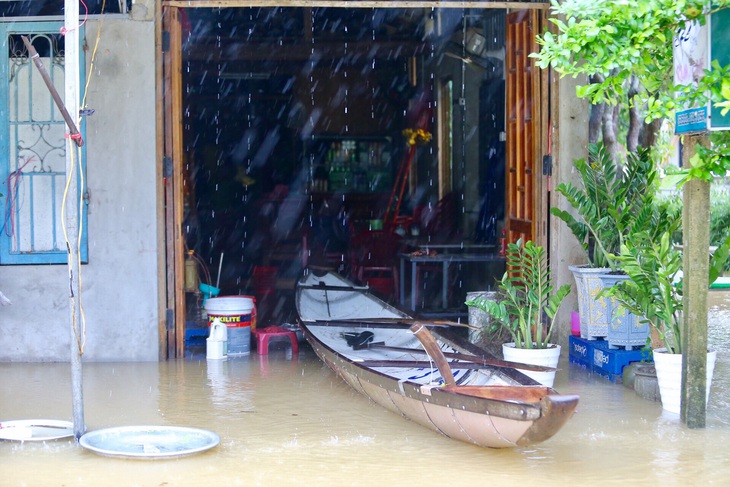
[167, 167]
[547, 165]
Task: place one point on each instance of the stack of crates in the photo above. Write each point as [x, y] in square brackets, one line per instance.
[596, 356]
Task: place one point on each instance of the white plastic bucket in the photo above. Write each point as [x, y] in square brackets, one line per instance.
[237, 313]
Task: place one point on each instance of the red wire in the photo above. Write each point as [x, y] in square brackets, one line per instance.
[63, 29]
[12, 182]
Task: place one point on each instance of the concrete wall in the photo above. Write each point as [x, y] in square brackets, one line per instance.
[119, 286]
[570, 143]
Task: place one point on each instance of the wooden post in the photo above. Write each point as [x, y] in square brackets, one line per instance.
[696, 226]
[72, 216]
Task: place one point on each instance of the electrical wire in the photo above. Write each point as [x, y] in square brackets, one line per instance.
[64, 30]
[13, 184]
[93, 55]
[79, 332]
[79, 326]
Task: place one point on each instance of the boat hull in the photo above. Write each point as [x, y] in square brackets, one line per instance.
[492, 407]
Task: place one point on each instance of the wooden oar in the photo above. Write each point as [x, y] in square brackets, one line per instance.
[434, 351]
[461, 356]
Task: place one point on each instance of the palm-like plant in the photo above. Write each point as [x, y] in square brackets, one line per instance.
[654, 290]
[527, 306]
[613, 201]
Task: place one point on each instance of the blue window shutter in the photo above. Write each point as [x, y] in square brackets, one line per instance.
[33, 149]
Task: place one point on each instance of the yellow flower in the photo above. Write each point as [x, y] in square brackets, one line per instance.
[418, 136]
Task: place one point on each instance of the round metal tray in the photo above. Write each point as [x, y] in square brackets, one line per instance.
[35, 429]
[149, 441]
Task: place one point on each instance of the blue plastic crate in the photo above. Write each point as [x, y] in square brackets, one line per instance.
[594, 370]
[581, 349]
[613, 361]
[196, 335]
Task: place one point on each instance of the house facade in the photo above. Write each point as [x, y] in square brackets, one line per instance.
[141, 142]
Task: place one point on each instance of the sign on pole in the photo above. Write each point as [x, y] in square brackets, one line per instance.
[720, 51]
[695, 48]
[690, 61]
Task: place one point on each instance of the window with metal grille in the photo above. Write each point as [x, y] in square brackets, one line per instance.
[33, 148]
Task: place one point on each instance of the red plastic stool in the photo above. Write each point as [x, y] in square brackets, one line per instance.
[264, 334]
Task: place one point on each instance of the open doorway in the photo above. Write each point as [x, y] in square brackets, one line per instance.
[291, 143]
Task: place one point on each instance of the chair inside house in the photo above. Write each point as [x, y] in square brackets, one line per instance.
[373, 261]
[264, 336]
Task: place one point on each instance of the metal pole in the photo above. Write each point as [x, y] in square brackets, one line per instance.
[71, 22]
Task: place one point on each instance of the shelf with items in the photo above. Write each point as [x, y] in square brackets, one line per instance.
[350, 164]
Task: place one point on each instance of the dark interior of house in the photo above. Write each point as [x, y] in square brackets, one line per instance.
[295, 153]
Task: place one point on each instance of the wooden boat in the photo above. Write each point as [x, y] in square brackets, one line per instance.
[379, 351]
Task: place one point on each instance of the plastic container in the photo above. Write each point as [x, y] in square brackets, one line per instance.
[237, 313]
[217, 342]
[574, 323]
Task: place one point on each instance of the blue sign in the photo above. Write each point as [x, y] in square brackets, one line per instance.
[691, 121]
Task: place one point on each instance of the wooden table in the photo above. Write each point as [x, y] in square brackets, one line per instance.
[445, 259]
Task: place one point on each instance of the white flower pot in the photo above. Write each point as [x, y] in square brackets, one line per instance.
[669, 375]
[534, 356]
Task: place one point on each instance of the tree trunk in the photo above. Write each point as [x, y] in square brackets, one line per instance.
[635, 123]
[596, 119]
[650, 133]
[610, 128]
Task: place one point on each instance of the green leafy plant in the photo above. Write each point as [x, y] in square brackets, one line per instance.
[720, 219]
[651, 292]
[654, 290]
[527, 305]
[610, 202]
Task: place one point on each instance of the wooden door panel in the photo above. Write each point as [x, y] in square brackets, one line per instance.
[522, 126]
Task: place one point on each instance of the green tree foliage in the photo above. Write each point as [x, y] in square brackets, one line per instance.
[611, 41]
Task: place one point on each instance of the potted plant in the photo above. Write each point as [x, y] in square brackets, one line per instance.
[654, 291]
[525, 308]
[611, 202]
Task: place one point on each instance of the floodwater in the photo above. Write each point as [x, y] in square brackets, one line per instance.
[290, 421]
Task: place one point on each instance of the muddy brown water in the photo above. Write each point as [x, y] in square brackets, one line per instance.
[287, 420]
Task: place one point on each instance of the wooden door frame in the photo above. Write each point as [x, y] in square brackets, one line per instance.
[170, 188]
[536, 227]
[172, 327]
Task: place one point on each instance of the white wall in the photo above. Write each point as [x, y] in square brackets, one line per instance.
[119, 286]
